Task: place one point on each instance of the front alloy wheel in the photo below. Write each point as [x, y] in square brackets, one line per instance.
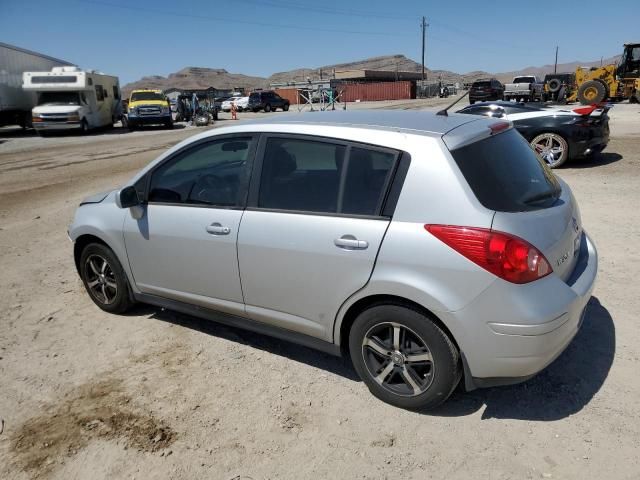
[104, 278]
[552, 148]
[100, 279]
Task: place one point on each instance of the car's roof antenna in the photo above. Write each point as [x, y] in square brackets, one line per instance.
[444, 111]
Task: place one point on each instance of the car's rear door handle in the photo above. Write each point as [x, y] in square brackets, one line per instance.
[349, 242]
[217, 229]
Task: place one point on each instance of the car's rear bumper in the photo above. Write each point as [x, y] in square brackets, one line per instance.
[512, 332]
[596, 143]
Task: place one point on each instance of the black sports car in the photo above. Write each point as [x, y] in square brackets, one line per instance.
[557, 135]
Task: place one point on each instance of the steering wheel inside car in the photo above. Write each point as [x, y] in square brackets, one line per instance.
[206, 189]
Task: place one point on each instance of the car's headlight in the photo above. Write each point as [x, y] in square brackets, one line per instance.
[166, 110]
[73, 117]
[131, 111]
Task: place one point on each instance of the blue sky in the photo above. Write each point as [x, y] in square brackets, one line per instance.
[132, 38]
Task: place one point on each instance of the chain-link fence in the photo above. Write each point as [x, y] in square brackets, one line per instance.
[432, 89]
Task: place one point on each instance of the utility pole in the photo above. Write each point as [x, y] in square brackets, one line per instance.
[555, 65]
[424, 26]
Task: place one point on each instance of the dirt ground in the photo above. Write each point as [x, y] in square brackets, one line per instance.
[156, 394]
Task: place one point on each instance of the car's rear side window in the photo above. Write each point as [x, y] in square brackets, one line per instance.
[506, 175]
[321, 176]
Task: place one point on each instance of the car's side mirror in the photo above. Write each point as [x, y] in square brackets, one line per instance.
[128, 197]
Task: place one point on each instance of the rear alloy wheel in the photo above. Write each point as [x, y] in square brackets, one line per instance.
[552, 148]
[403, 357]
[84, 127]
[285, 107]
[104, 278]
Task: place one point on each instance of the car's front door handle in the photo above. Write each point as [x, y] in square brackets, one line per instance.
[218, 229]
[349, 242]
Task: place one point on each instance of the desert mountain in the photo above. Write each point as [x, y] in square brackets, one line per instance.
[200, 77]
[387, 62]
[197, 78]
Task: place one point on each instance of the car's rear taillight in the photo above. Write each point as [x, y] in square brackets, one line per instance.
[506, 256]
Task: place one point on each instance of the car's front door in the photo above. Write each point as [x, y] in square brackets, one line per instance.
[183, 246]
[312, 229]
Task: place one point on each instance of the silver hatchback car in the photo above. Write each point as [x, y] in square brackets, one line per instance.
[428, 248]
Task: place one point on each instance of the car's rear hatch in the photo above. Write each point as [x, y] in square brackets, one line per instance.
[529, 201]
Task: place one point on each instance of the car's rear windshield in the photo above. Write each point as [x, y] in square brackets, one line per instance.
[523, 80]
[506, 175]
[481, 84]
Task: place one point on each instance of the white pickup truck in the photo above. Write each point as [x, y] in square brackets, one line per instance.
[525, 87]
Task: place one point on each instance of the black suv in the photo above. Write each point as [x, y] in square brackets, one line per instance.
[559, 86]
[267, 101]
[486, 89]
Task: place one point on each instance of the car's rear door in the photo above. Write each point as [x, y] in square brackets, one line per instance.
[182, 245]
[312, 229]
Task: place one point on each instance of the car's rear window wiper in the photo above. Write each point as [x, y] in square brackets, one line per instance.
[541, 197]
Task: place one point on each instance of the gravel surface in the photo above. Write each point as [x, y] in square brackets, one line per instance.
[156, 394]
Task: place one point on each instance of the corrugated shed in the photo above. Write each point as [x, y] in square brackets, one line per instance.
[290, 94]
[377, 91]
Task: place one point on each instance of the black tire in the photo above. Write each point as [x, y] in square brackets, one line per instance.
[267, 108]
[168, 125]
[431, 381]
[84, 127]
[471, 102]
[554, 85]
[285, 107]
[592, 91]
[117, 299]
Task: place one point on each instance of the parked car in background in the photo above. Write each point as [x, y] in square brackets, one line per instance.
[267, 100]
[526, 88]
[485, 89]
[149, 107]
[313, 229]
[557, 135]
[225, 105]
[242, 103]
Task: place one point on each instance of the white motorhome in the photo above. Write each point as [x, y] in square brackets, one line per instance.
[72, 98]
[15, 102]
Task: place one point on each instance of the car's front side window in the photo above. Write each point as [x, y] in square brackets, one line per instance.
[213, 173]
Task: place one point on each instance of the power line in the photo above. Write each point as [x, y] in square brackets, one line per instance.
[244, 22]
[326, 10]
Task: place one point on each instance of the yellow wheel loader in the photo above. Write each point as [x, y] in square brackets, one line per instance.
[615, 82]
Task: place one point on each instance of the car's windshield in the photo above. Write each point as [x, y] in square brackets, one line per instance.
[523, 80]
[506, 175]
[143, 96]
[59, 98]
